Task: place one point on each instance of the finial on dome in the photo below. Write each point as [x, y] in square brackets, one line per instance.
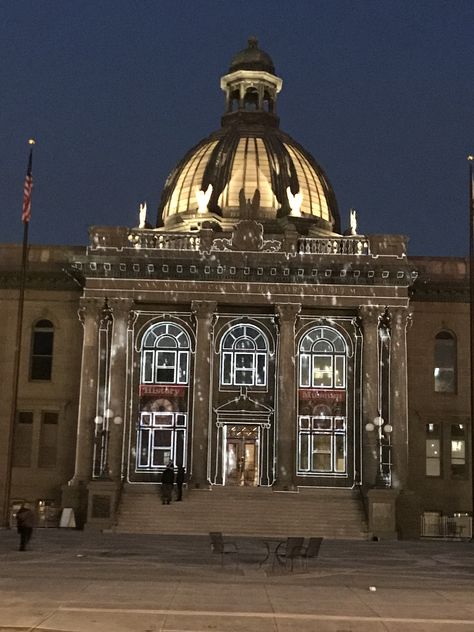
[253, 42]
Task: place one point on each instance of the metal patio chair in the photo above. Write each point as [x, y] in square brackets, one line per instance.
[311, 551]
[288, 551]
[220, 547]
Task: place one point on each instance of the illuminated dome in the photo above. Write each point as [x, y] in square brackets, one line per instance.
[249, 168]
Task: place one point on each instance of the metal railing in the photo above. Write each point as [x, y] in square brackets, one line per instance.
[455, 527]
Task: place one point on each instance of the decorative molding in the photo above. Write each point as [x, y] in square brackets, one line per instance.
[247, 236]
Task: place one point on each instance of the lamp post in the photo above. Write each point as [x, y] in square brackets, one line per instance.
[102, 431]
[382, 432]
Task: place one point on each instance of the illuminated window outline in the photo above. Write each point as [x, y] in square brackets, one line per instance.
[165, 355]
[152, 452]
[244, 356]
[311, 430]
[322, 344]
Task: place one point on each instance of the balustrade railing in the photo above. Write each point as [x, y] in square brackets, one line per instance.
[333, 246]
[155, 240]
[163, 241]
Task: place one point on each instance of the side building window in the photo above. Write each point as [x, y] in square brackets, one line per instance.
[22, 448]
[458, 451]
[27, 450]
[445, 377]
[244, 357]
[41, 364]
[48, 440]
[433, 450]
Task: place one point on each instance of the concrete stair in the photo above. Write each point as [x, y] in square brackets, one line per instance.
[244, 511]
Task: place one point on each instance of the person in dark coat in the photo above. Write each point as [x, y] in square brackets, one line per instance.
[180, 479]
[167, 483]
[25, 521]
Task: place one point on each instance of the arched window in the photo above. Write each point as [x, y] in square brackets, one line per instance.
[163, 417]
[244, 352]
[445, 363]
[322, 418]
[322, 359]
[165, 355]
[41, 364]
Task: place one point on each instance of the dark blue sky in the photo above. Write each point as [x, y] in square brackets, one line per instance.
[115, 92]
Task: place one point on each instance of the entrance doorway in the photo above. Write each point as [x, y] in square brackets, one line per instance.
[241, 456]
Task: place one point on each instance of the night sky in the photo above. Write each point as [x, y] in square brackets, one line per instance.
[115, 92]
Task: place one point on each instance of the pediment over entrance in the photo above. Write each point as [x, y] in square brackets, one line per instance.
[243, 408]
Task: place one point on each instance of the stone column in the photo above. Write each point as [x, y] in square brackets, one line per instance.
[74, 494]
[370, 392]
[89, 314]
[117, 385]
[203, 312]
[286, 396]
[398, 397]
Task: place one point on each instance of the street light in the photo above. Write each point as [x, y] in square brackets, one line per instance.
[382, 432]
[101, 467]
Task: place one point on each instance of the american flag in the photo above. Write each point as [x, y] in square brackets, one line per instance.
[27, 187]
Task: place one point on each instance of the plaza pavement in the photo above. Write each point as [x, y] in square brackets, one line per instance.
[72, 581]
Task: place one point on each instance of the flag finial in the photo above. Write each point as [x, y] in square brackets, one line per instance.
[470, 157]
[31, 141]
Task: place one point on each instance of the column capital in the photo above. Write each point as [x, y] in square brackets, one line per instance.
[287, 312]
[370, 314]
[203, 310]
[120, 306]
[89, 308]
[400, 317]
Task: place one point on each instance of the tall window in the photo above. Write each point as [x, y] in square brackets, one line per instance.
[323, 359]
[48, 444]
[165, 355]
[458, 451]
[322, 427]
[433, 450]
[244, 357]
[42, 351]
[162, 424]
[22, 449]
[445, 363]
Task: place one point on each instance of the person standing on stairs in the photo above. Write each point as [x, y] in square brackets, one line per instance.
[167, 483]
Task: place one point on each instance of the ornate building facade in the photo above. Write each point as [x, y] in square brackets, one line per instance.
[246, 338]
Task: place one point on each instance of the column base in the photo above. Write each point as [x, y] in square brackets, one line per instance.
[284, 486]
[102, 505]
[382, 514]
[199, 485]
[409, 510]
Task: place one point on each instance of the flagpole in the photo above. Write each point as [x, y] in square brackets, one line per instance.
[471, 314]
[17, 351]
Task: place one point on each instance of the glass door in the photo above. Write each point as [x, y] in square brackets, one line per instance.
[241, 456]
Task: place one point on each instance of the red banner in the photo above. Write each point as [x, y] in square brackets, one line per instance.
[162, 391]
[323, 395]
